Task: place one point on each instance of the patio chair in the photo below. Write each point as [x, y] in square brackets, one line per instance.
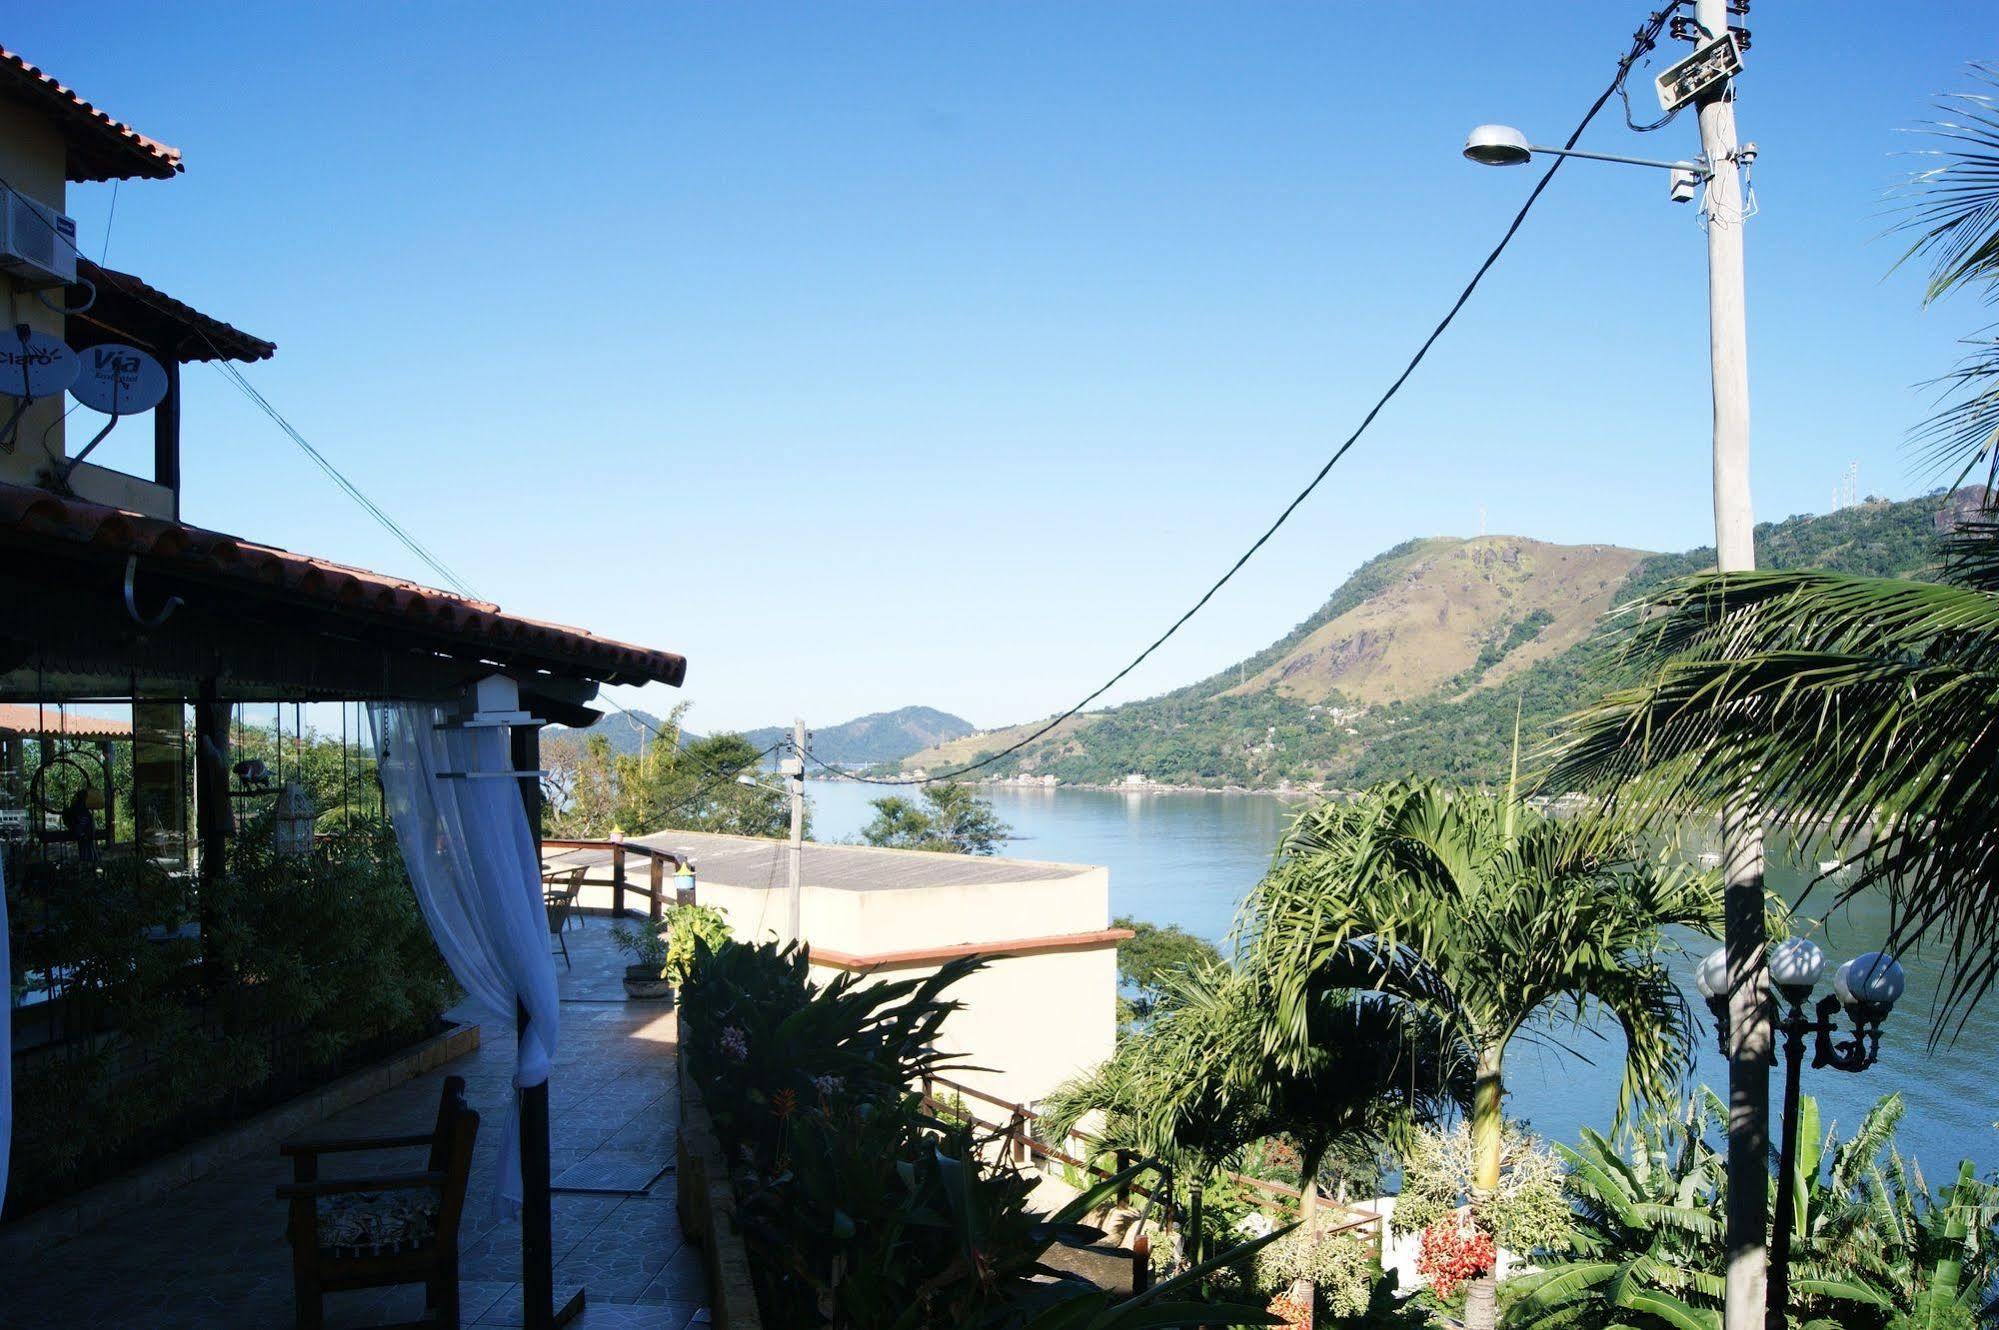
[559, 905]
[383, 1230]
[567, 882]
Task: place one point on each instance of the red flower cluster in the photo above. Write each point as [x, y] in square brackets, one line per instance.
[1454, 1253]
[1297, 1312]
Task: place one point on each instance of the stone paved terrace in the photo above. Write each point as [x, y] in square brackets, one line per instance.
[212, 1253]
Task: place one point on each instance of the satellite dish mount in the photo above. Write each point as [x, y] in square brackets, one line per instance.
[118, 380]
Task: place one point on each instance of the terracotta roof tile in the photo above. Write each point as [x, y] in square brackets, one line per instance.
[100, 148]
[320, 583]
[139, 309]
[20, 718]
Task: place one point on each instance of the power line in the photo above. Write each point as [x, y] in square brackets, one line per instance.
[243, 385]
[333, 473]
[1642, 41]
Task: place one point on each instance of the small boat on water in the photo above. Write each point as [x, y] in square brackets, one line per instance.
[1710, 859]
[1830, 865]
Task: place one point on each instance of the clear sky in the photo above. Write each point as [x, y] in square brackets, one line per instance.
[874, 354]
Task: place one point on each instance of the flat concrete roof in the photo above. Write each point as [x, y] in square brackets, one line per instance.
[751, 861]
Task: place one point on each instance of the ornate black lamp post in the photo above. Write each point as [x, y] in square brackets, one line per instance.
[1866, 989]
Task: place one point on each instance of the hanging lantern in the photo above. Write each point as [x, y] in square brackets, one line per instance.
[292, 821]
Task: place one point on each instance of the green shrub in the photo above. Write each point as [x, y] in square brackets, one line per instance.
[668, 943]
[859, 1208]
[304, 966]
[1341, 1266]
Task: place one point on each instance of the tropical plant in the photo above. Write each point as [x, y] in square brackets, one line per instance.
[1341, 1267]
[1860, 702]
[1873, 1248]
[1153, 954]
[1486, 917]
[1196, 1086]
[1527, 1213]
[668, 944]
[861, 1209]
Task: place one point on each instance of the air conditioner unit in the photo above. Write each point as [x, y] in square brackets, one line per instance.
[37, 243]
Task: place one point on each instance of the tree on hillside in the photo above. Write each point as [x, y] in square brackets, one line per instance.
[1484, 917]
[707, 784]
[1148, 961]
[950, 819]
[1862, 702]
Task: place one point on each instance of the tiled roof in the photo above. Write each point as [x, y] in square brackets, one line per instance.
[175, 327]
[355, 593]
[20, 718]
[100, 148]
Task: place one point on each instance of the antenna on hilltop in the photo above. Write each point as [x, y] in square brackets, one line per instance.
[1846, 494]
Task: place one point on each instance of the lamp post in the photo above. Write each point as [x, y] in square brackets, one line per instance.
[1706, 81]
[1866, 988]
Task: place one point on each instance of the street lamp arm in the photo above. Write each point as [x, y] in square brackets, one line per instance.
[1700, 169]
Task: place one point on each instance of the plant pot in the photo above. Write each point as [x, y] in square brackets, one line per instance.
[643, 983]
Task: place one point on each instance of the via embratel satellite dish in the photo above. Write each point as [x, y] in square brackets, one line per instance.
[33, 365]
[118, 380]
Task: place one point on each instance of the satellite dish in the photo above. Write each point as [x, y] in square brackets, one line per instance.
[118, 380]
[34, 364]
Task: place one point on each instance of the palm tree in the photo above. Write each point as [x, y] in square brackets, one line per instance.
[1867, 704]
[1194, 1087]
[1485, 916]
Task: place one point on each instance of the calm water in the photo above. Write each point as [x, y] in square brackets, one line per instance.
[1188, 858]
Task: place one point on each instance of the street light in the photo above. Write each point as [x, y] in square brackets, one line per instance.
[1866, 988]
[1503, 145]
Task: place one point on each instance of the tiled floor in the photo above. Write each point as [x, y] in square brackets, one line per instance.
[212, 1254]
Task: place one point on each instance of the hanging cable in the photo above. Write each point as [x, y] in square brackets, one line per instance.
[249, 390]
[1643, 41]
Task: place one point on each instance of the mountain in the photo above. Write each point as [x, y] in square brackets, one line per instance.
[1415, 665]
[885, 736]
[627, 731]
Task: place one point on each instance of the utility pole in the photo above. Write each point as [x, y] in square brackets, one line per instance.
[794, 767]
[1749, 1019]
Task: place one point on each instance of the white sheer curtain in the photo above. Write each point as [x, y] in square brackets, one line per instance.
[472, 860]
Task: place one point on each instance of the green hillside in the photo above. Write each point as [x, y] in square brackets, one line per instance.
[884, 736]
[1416, 663]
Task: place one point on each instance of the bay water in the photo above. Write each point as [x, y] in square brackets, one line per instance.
[1188, 858]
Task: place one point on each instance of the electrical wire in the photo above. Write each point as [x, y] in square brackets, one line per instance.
[1642, 41]
[319, 459]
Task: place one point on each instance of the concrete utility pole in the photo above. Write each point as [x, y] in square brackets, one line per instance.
[794, 767]
[1749, 1019]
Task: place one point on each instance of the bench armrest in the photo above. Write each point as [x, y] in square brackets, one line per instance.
[339, 1145]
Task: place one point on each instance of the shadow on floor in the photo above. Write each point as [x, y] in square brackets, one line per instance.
[213, 1254]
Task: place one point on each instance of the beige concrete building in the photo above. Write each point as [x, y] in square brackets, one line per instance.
[1045, 1007]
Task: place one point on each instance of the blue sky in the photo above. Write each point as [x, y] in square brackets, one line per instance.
[873, 354]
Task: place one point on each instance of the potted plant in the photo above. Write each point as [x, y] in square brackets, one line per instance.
[663, 952]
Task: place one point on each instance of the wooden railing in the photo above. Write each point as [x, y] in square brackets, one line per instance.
[660, 865]
[1021, 1144]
